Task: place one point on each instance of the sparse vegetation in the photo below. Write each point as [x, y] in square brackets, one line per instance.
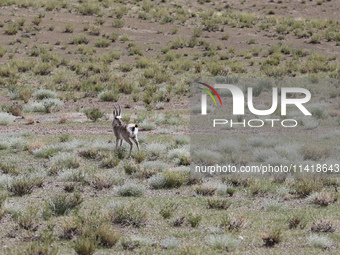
[131, 190]
[128, 214]
[94, 114]
[62, 204]
[274, 236]
[65, 189]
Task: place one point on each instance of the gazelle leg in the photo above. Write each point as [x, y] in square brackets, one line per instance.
[129, 142]
[121, 141]
[136, 142]
[117, 141]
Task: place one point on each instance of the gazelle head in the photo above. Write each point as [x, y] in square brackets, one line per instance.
[117, 116]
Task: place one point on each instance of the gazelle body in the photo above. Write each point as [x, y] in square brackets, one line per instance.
[123, 130]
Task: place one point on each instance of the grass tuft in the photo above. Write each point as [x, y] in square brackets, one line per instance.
[131, 190]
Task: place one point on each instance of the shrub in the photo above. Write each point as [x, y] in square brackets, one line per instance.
[41, 151]
[322, 198]
[102, 42]
[272, 205]
[9, 169]
[319, 241]
[12, 140]
[325, 226]
[52, 104]
[64, 138]
[47, 105]
[2, 51]
[218, 204]
[225, 37]
[315, 152]
[68, 28]
[124, 67]
[127, 214]
[168, 209]
[15, 110]
[6, 118]
[182, 154]
[65, 160]
[94, 114]
[143, 63]
[69, 187]
[91, 153]
[131, 190]
[110, 162]
[94, 30]
[140, 156]
[37, 20]
[222, 242]
[135, 50]
[3, 198]
[80, 39]
[13, 94]
[157, 181]
[38, 247]
[225, 190]
[2, 213]
[86, 50]
[194, 220]
[130, 167]
[169, 243]
[304, 186]
[120, 153]
[159, 105]
[106, 236]
[259, 188]
[178, 222]
[70, 228]
[101, 181]
[274, 236]
[42, 69]
[118, 23]
[315, 39]
[27, 218]
[25, 94]
[146, 125]
[145, 173]
[85, 246]
[215, 68]
[108, 96]
[182, 139]
[34, 106]
[297, 220]
[89, 9]
[205, 190]
[113, 37]
[62, 204]
[234, 223]
[263, 154]
[319, 111]
[155, 149]
[21, 185]
[173, 178]
[130, 244]
[71, 175]
[279, 178]
[11, 29]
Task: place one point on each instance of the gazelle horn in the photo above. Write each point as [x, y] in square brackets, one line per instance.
[116, 110]
[120, 110]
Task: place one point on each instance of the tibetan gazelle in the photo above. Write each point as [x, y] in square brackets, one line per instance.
[123, 130]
